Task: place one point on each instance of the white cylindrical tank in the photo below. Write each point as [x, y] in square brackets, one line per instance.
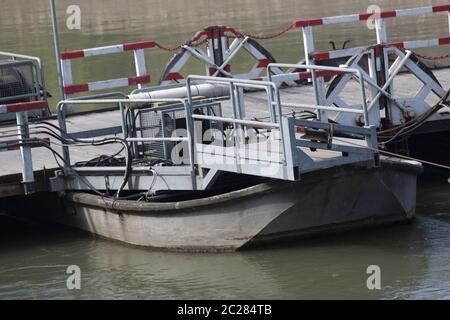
[201, 90]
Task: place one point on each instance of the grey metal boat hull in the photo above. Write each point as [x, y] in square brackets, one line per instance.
[326, 201]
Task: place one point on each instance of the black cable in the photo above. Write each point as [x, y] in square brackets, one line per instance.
[407, 131]
[105, 141]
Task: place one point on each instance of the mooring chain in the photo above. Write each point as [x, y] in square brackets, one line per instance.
[204, 41]
[269, 36]
[194, 44]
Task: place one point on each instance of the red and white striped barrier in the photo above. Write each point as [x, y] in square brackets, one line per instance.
[132, 46]
[141, 78]
[366, 16]
[335, 54]
[23, 106]
[108, 84]
[421, 43]
[381, 31]
[409, 45]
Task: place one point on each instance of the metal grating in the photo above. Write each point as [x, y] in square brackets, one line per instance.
[159, 124]
[162, 122]
[15, 82]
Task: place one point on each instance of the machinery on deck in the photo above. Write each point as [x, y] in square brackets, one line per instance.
[21, 80]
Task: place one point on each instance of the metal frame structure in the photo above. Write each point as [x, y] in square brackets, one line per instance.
[381, 73]
[379, 19]
[35, 101]
[219, 55]
[22, 140]
[38, 75]
[288, 163]
[399, 109]
[142, 77]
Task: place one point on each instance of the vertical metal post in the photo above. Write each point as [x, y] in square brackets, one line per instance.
[380, 27]
[27, 160]
[308, 43]
[57, 49]
[374, 113]
[319, 83]
[241, 111]
[139, 61]
[63, 127]
[364, 99]
[290, 148]
[210, 49]
[275, 102]
[190, 130]
[237, 129]
[372, 142]
[124, 124]
[270, 93]
[281, 124]
[382, 38]
[448, 16]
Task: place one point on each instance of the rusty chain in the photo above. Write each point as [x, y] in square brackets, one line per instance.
[255, 37]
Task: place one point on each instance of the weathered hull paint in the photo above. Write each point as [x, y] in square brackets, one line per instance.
[327, 201]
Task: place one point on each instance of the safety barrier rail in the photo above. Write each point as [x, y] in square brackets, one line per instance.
[39, 83]
[219, 53]
[142, 77]
[63, 107]
[246, 157]
[23, 141]
[380, 29]
[314, 73]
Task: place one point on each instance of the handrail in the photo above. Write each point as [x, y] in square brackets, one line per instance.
[39, 70]
[366, 16]
[250, 123]
[326, 108]
[313, 69]
[22, 56]
[63, 105]
[22, 140]
[273, 97]
[38, 64]
[142, 76]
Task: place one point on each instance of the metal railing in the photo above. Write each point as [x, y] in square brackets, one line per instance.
[38, 69]
[276, 123]
[380, 29]
[236, 87]
[22, 139]
[64, 105]
[319, 92]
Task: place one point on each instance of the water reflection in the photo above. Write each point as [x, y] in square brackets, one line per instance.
[411, 259]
